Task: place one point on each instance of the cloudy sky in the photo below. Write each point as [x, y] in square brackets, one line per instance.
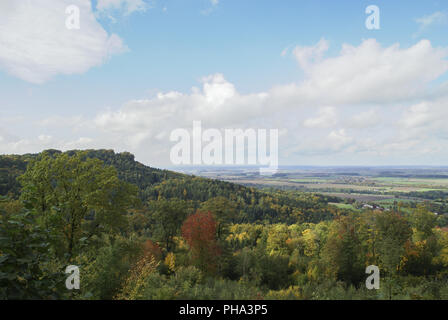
[339, 93]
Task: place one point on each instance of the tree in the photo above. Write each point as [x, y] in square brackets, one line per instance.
[199, 230]
[425, 247]
[105, 269]
[224, 211]
[270, 270]
[76, 197]
[276, 241]
[423, 221]
[394, 231]
[167, 217]
[137, 281]
[151, 248]
[344, 253]
[24, 255]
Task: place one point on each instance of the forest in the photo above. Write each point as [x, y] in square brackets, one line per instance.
[137, 232]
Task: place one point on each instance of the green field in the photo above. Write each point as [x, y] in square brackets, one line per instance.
[343, 205]
[364, 185]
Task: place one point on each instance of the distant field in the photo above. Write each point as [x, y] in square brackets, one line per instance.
[360, 184]
[422, 182]
[390, 202]
[322, 185]
[359, 196]
[343, 205]
[441, 181]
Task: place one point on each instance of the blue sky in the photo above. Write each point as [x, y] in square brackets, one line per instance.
[56, 91]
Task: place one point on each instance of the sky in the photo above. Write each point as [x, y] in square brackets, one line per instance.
[339, 93]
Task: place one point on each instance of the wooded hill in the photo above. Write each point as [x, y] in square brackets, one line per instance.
[137, 232]
[254, 205]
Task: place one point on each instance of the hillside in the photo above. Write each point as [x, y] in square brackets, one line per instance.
[254, 204]
[129, 170]
[198, 238]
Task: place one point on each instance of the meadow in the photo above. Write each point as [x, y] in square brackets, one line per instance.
[377, 185]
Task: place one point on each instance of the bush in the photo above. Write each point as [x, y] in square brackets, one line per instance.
[104, 271]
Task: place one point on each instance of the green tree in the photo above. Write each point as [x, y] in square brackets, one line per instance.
[167, 217]
[344, 252]
[76, 197]
[105, 270]
[394, 231]
[224, 211]
[276, 241]
[424, 222]
[24, 257]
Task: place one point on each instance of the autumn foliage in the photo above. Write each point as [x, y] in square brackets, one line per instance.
[199, 231]
[152, 249]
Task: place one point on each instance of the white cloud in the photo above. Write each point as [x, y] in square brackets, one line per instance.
[36, 45]
[369, 118]
[425, 22]
[64, 122]
[320, 143]
[129, 6]
[213, 5]
[348, 82]
[44, 138]
[373, 103]
[306, 56]
[425, 121]
[326, 118]
[81, 143]
[417, 116]
[367, 73]
[339, 139]
[217, 104]
[428, 20]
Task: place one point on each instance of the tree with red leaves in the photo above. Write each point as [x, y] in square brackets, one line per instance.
[199, 230]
